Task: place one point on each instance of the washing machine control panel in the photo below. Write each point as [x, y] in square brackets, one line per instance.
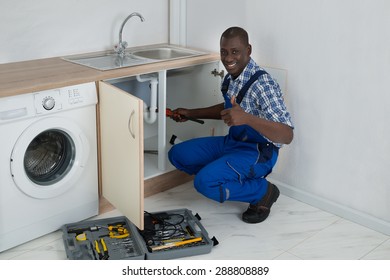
[47, 101]
[73, 95]
[50, 101]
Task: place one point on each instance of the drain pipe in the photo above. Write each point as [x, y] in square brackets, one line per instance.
[150, 114]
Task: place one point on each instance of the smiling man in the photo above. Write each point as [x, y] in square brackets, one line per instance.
[234, 167]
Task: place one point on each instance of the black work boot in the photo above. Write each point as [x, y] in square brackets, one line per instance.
[256, 213]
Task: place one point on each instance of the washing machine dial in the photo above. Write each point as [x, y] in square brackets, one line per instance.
[48, 103]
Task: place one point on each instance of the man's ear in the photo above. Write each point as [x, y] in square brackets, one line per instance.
[249, 49]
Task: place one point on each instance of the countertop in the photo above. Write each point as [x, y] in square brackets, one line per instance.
[42, 74]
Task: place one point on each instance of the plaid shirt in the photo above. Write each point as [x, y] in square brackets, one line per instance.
[263, 98]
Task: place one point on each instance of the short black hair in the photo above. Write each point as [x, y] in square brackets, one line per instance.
[236, 31]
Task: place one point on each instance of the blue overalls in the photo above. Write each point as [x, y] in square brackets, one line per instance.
[231, 167]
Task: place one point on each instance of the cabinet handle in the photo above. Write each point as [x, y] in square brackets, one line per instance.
[131, 124]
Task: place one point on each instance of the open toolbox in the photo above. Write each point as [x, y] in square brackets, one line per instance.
[112, 238]
[166, 235]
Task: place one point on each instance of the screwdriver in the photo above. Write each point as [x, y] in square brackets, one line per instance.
[176, 244]
[81, 230]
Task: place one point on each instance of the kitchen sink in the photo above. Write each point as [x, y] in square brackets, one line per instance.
[107, 60]
[166, 53]
[138, 56]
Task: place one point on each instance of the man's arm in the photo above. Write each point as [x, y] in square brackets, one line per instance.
[274, 131]
[212, 112]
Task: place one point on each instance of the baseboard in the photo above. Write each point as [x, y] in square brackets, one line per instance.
[165, 182]
[153, 186]
[334, 208]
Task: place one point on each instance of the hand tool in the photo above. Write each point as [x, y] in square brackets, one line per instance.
[112, 234]
[117, 228]
[81, 237]
[172, 115]
[176, 244]
[81, 230]
[190, 231]
[117, 231]
[102, 255]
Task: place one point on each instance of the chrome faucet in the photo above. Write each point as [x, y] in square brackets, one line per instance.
[122, 45]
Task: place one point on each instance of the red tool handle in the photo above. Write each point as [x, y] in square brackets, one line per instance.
[169, 113]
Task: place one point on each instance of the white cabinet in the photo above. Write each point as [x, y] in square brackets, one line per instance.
[121, 146]
[124, 134]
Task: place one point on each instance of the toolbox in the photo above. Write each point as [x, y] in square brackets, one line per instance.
[166, 235]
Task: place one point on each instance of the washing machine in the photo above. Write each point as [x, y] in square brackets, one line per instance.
[48, 162]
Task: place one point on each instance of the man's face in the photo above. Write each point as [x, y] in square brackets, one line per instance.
[235, 55]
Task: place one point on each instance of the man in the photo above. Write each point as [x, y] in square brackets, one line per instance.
[234, 167]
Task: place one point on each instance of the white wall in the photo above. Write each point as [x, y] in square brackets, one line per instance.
[48, 28]
[206, 20]
[338, 60]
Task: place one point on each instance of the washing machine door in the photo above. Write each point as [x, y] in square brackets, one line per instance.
[48, 157]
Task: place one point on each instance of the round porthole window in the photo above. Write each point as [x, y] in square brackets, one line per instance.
[49, 157]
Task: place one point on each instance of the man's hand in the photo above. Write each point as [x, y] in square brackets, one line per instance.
[179, 115]
[235, 115]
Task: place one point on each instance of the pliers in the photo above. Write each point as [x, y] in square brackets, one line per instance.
[102, 255]
[118, 231]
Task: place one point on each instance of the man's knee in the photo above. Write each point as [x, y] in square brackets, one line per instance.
[209, 189]
[175, 155]
[172, 155]
[198, 184]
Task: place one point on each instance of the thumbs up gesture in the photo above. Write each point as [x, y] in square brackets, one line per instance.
[234, 115]
[233, 101]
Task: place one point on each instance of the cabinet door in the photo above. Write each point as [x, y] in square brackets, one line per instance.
[122, 166]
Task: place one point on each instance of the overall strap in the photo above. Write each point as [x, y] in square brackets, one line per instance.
[244, 89]
[225, 84]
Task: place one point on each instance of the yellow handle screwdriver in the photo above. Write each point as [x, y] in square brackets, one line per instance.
[175, 244]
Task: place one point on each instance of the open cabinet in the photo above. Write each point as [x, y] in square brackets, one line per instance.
[126, 140]
[193, 87]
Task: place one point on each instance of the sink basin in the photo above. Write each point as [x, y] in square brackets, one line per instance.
[139, 56]
[107, 61]
[166, 53]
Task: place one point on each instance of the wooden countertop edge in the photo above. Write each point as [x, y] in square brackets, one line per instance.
[43, 74]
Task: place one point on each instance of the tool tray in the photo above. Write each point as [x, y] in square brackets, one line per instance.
[166, 235]
[175, 234]
[84, 240]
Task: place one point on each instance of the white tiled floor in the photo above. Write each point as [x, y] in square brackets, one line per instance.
[293, 231]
